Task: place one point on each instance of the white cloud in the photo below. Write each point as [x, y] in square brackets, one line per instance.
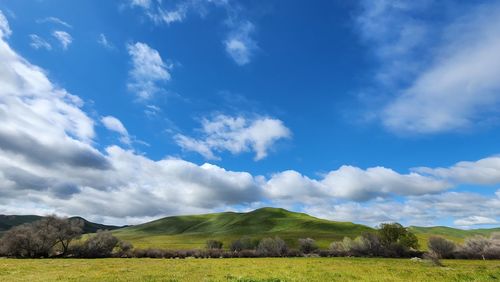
[4, 26]
[236, 135]
[39, 43]
[54, 20]
[64, 38]
[104, 42]
[239, 44]
[148, 69]
[141, 3]
[114, 124]
[475, 220]
[441, 77]
[482, 172]
[352, 183]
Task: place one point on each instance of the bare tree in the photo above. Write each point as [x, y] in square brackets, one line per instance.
[441, 247]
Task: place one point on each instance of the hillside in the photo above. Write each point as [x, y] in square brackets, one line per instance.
[454, 234]
[192, 231]
[9, 221]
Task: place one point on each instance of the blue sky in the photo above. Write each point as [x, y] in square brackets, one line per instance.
[364, 111]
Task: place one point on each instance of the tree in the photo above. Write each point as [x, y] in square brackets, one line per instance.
[272, 247]
[244, 243]
[307, 245]
[441, 247]
[100, 245]
[39, 238]
[65, 231]
[394, 233]
[214, 245]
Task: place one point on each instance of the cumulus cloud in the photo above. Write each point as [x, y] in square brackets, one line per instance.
[114, 124]
[352, 183]
[440, 77]
[236, 135]
[63, 37]
[483, 172]
[39, 43]
[148, 69]
[464, 207]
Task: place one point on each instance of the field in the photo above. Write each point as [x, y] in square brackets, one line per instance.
[261, 269]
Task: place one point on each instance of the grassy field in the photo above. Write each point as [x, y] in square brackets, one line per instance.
[262, 269]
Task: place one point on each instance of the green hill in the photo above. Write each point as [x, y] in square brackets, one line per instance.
[9, 221]
[454, 234]
[183, 232]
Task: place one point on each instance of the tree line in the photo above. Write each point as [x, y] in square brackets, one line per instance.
[59, 237]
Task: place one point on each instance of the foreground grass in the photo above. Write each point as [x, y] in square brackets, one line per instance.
[262, 269]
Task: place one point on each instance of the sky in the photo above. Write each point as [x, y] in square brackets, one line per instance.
[367, 111]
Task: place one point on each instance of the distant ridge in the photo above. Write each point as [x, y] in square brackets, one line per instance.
[9, 221]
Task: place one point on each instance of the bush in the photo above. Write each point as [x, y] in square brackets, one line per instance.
[101, 245]
[441, 247]
[213, 244]
[244, 243]
[338, 249]
[248, 254]
[475, 247]
[270, 247]
[307, 245]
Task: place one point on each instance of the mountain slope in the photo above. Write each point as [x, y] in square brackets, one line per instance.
[454, 234]
[9, 221]
[193, 231]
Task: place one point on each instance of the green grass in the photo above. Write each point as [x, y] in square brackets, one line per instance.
[261, 269]
[187, 232]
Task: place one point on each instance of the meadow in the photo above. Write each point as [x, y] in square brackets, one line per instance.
[246, 269]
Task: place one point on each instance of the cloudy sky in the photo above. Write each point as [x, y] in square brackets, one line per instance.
[366, 111]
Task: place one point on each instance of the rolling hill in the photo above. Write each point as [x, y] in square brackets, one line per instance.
[453, 234]
[182, 232]
[9, 221]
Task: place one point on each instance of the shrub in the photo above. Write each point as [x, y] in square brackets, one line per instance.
[214, 244]
[307, 245]
[100, 245]
[475, 247]
[248, 254]
[441, 247]
[270, 247]
[244, 243]
[338, 249]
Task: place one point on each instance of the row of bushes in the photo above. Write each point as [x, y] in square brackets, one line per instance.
[477, 247]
